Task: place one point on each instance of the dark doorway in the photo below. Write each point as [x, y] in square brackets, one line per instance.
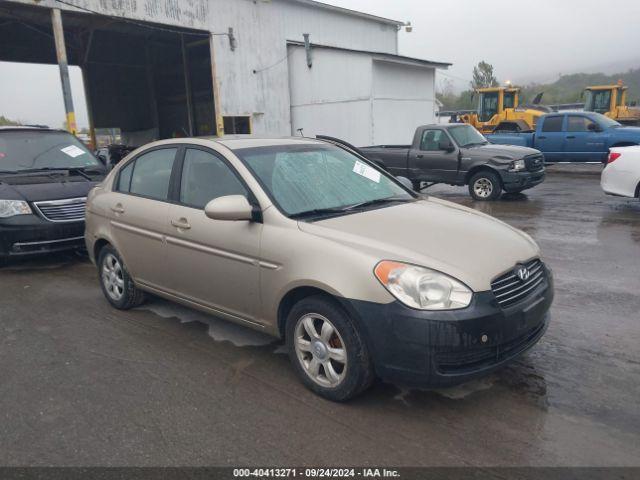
[150, 81]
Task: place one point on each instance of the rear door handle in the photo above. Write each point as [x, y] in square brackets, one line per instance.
[419, 156]
[542, 138]
[118, 208]
[570, 137]
[182, 224]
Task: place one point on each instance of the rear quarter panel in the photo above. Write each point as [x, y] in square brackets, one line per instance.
[622, 177]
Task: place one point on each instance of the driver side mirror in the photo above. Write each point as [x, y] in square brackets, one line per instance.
[446, 146]
[594, 127]
[230, 208]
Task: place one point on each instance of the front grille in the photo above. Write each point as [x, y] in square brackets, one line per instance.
[509, 289]
[67, 210]
[482, 357]
[534, 162]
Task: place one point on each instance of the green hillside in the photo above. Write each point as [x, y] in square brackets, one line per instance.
[567, 89]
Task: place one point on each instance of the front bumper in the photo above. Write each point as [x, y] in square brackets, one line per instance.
[436, 349]
[24, 235]
[517, 181]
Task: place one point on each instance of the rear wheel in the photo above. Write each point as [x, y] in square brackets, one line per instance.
[485, 185]
[117, 285]
[326, 349]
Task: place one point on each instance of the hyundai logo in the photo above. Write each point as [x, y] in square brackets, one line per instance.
[523, 273]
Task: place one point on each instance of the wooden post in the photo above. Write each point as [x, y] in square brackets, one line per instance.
[187, 86]
[217, 104]
[61, 53]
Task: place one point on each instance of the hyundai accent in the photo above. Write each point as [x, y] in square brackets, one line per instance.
[308, 241]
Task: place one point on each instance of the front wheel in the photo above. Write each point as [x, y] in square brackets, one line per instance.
[485, 185]
[326, 349]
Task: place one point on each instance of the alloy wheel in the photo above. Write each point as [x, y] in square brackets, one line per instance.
[320, 350]
[112, 277]
[483, 188]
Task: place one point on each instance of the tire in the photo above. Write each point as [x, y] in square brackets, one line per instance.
[117, 286]
[485, 186]
[343, 367]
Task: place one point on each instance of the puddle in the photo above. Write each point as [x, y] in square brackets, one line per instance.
[219, 330]
[460, 392]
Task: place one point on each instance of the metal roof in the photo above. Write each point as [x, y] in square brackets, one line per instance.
[353, 13]
[380, 55]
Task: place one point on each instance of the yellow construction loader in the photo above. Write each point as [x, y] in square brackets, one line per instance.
[499, 109]
[611, 100]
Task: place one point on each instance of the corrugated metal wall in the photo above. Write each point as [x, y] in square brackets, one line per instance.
[253, 79]
[403, 98]
[359, 98]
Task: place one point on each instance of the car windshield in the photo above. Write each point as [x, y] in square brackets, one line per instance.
[466, 136]
[33, 150]
[315, 179]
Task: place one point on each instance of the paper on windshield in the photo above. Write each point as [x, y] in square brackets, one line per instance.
[366, 171]
[73, 151]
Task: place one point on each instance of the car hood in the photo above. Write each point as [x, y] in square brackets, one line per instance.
[36, 188]
[466, 244]
[507, 152]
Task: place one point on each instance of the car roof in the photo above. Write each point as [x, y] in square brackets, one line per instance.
[237, 142]
[30, 127]
[443, 125]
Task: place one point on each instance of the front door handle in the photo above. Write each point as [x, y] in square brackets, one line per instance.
[419, 156]
[571, 137]
[118, 208]
[182, 224]
[542, 138]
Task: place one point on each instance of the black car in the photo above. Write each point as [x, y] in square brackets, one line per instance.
[45, 176]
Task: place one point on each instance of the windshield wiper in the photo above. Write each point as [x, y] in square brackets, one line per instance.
[349, 208]
[379, 201]
[79, 170]
[317, 212]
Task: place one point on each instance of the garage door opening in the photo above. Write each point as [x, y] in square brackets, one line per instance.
[146, 80]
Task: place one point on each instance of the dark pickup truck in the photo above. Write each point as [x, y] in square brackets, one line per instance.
[458, 154]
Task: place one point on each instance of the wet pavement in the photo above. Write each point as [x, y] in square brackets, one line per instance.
[84, 384]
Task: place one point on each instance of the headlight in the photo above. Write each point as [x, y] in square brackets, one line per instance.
[422, 288]
[10, 208]
[517, 166]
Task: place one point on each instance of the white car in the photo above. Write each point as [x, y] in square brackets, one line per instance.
[621, 175]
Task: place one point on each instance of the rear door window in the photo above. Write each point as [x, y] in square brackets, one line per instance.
[152, 174]
[124, 179]
[553, 124]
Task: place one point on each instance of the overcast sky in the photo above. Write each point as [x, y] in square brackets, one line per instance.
[535, 40]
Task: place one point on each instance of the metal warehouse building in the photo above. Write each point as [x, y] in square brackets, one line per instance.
[164, 68]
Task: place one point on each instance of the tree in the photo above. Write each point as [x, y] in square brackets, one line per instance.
[4, 122]
[483, 76]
